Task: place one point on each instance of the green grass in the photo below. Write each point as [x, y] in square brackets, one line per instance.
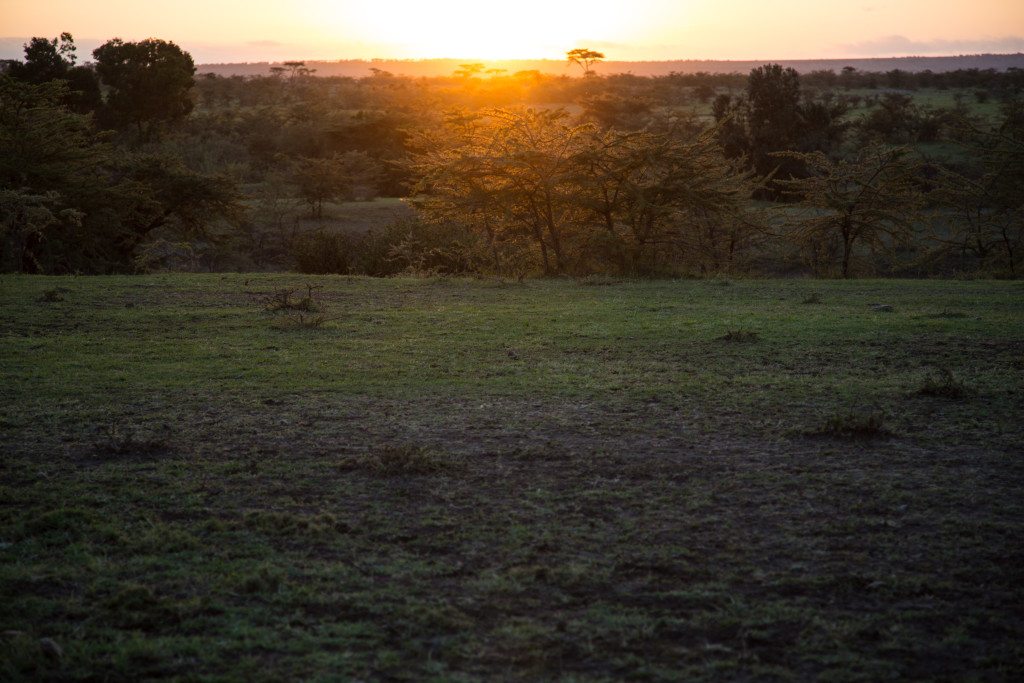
[460, 480]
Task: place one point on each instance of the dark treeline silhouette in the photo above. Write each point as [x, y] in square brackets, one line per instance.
[131, 162]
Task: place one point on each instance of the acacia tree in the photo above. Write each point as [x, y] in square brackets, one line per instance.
[353, 175]
[69, 203]
[871, 199]
[584, 58]
[584, 198]
[510, 173]
[987, 206]
[46, 153]
[469, 70]
[150, 83]
[664, 196]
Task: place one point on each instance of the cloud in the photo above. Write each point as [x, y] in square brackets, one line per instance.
[893, 46]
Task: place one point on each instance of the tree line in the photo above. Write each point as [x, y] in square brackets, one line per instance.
[131, 162]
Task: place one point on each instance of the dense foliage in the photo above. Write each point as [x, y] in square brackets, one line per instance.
[132, 162]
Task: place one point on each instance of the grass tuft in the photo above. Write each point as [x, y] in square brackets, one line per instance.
[854, 425]
[53, 295]
[743, 336]
[598, 281]
[115, 440]
[389, 461]
[942, 383]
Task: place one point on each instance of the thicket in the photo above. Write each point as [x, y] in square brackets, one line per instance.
[132, 162]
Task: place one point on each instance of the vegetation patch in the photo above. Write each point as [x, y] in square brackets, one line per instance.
[626, 501]
[740, 336]
[119, 441]
[855, 425]
[942, 383]
[393, 461]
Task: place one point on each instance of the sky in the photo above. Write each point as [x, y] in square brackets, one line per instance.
[631, 30]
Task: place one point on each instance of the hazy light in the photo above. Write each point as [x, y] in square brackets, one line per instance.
[477, 30]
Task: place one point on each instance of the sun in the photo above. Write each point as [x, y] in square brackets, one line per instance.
[514, 29]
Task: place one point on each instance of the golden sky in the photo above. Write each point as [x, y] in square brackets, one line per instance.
[256, 30]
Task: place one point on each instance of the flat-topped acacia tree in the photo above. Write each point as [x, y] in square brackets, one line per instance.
[584, 58]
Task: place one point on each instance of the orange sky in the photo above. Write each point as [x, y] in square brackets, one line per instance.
[255, 30]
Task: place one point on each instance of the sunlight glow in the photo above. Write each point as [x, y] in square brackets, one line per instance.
[472, 30]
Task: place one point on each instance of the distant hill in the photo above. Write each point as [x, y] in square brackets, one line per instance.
[444, 67]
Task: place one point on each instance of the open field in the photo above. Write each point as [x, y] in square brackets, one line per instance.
[462, 480]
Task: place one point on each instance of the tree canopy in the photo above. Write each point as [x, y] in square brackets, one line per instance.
[149, 81]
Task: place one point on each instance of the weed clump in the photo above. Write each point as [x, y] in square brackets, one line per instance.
[266, 579]
[113, 440]
[390, 461]
[298, 321]
[740, 336]
[598, 281]
[854, 425]
[945, 314]
[942, 383]
[285, 299]
[292, 308]
[53, 295]
[813, 298]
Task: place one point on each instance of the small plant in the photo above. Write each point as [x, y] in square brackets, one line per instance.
[814, 298]
[297, 320]
[389, 461]
[598, 281]
[53, 295]
[943, 383]
[740, 336]
[855, 425]
[294, 309]
[114, 440]
[292, 300]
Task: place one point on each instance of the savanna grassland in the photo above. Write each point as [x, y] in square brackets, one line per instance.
[449, 479]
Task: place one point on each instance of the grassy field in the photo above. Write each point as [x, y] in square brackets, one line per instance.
[460, 480]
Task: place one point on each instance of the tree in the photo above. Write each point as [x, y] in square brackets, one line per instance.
[69, 203]
[871, 199]
[46, 152]
[579, 198]
[985, 204]
[773, 98]
[667, 196]
[149, 81]
[774, 117]
[509, 175]
[584, 58]
[47, 60]
[469, 70]
[348, 176]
